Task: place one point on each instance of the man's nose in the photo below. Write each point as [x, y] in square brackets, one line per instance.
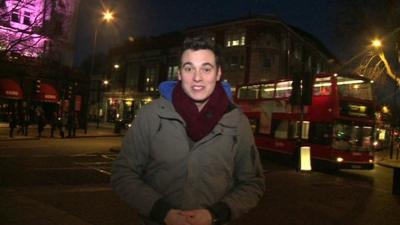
[197, 75]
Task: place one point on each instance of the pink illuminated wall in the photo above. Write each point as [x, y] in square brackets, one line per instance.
[20, 21]
[34, 27]
[25, 25]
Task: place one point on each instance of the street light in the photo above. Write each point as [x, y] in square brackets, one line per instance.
[376, 43]
[108, 17]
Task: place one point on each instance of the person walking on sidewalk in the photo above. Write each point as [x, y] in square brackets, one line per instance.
[12, 123]
[41, 120]
[190, 158]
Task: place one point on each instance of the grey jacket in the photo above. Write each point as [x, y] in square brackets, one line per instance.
[158, 160]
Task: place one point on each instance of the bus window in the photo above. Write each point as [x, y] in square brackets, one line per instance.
[280, 128]
[294, 129]
[267, 90]
[248, 92]
[352, 137]
[322, 86]
[283, 89]
[354, 88]
[321, 133]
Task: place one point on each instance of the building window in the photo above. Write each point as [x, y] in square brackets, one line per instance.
[298, 51]
[237, 38]
[267, 62]
[234, 60]
[15, 16]
[318, 68]
[150, 79]
[27, 18]
[173, 72]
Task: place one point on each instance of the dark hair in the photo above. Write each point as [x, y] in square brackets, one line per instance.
[202, 43]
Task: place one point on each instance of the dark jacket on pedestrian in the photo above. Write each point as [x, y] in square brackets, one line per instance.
[159, 161]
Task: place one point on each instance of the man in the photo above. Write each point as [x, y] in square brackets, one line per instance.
[190, 157]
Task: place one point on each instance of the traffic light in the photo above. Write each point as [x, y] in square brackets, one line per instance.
[307, 88]
[295, 96]
[302, 88]
[36, 85]
[69, 92]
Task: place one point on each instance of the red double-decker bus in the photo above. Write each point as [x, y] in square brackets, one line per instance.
[338, 125]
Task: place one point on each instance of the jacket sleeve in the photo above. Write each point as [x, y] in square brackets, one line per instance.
[130, 165]
[249, 179]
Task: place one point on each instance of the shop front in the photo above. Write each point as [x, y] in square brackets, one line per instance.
[11, 95]
[48, 99]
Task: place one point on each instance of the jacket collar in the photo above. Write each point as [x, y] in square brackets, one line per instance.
[166, 110]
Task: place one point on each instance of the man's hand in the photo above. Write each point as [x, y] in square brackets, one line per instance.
[176, 217]
[198, 217]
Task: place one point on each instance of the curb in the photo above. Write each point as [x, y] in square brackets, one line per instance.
[19, 139]
[38, 138]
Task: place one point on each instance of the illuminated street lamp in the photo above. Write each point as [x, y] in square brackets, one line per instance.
[108, 17]
[376, 43]
[385, 109]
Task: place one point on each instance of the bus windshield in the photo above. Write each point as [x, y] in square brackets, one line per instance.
[354, 88]
[352, 137]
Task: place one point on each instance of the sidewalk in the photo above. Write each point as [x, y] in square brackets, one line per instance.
[104, 130]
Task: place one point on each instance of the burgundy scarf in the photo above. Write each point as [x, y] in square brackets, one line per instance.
[199, 124]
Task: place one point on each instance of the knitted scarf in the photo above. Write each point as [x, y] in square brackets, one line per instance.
[199, 124]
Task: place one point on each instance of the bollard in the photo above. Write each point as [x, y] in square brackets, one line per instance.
[305, 158]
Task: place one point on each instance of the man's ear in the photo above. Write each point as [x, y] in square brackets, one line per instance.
[219, 73]
[178, 73]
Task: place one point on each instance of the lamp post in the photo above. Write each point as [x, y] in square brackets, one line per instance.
[107, 17]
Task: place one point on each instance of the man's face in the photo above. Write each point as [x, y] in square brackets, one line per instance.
[199, 74]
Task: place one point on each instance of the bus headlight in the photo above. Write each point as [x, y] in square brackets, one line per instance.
[339, 159]
[371, 161]
[375, 143]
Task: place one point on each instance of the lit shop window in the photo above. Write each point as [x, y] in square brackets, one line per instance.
[151, 80]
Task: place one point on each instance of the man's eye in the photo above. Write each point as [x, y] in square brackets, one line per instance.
[206, 70]
[187, 69]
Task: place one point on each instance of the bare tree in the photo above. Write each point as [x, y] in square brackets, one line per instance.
[26, 26]
[358, 22]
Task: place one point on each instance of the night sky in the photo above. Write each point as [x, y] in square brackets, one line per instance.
[138, 18]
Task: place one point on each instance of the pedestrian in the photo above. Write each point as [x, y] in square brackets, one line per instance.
[54, 123]
[72, 124]
[12, 123]
[40, 118]
[25, 120]
[190, 158]
[63, 124]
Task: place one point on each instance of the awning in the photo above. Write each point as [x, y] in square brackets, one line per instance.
[10, 89]
[47, 93]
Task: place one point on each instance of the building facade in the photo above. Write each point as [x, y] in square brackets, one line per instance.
[36, 54]
[254, 49]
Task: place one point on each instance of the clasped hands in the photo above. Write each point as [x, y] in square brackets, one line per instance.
[188, 217]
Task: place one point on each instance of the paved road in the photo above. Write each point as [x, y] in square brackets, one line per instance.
[70, 185]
